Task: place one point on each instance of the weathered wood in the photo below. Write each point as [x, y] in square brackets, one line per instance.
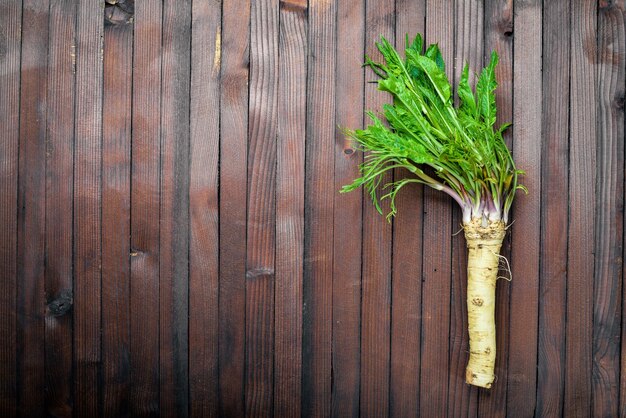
[290, 158]
[318, 209]
[463, 398]
[145, 204]
[404, 396]
[204, 210]
[232, 207]
[526, 234]
[174, 210]
[582, 181]
[347, 217]
[554, 211]
[436, 261]
[116, 164]
[609, 218]
[498, 27]
[261, 232]
[31, 210]
[376, 270]
[88, 209]
[10, 54]
[59, 182]
[173, 240]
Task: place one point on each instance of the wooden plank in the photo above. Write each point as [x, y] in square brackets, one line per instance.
[144, 255]
[526, 234]
[555, 168]
[261, 232]
[404, 396]
[346, 333]
[58, 198]
[174, 210]
[31, 212]
[582, 151]
[376, 273]
[116, 195]
[290, 158]
[233, 186]
[498, 34]
[607, 301]
[319, 198]
[463, 398]
[203, 210]
[437, 241]
[87, 208]
[10, 32]
[407, 267]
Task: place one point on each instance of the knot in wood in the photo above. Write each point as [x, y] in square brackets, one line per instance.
[61, 305]
[119, 12]
[605, 5]
[259, 273]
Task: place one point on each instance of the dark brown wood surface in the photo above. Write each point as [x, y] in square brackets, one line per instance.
[173, 241]
[116, 200]
[554, 212]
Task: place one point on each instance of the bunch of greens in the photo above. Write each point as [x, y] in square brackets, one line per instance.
[423, 128]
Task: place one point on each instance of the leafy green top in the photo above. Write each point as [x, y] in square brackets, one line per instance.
[469, 159]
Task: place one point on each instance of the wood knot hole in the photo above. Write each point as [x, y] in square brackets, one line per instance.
[118, 12]
[606, 4]
[477, 302]
[61, 305]
[506, 27]
[259, 273]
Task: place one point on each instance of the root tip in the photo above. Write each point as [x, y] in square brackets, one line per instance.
[479, 379]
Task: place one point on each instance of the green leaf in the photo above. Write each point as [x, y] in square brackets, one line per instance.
[421, 127]
[466, 97]
[434, 54]
[417, 45]
[485, 96]
[439, 81]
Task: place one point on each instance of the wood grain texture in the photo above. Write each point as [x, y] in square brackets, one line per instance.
[59, 195]
[499, 35]
[290, 159]
[347, 231]
[404, 396]
[377, 244]
[145, 205]
[116, 196]
[173, 241]
[463, 398]
[31, 210]
[174, 210]
[10, 60]
[232, 206]
[204, 210]
[319, 210]
[526, 234]
[437, 248]
[554, 210]
[88, 209]
[582, 181]
[261, 233]
[609, 218]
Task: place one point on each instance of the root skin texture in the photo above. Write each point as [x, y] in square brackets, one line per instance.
[484, 239]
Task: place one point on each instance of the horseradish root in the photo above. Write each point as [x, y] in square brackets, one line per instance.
[483, 245]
